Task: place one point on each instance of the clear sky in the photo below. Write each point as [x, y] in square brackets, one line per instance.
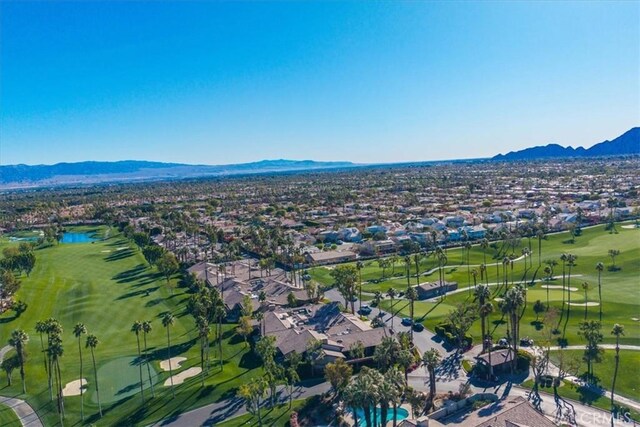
[227, 82]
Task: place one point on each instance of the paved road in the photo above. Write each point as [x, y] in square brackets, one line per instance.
[217, 412]
[26, 414]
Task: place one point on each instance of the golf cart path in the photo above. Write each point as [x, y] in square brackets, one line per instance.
[28, 417]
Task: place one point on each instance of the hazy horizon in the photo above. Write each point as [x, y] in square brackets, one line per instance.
[225, 83]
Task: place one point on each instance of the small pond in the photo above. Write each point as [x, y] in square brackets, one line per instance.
[78, 238]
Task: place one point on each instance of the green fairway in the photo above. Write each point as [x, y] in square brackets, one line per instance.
[107, 286]
[276, 417]
[620, 296]
[627, 381]
[8, 418]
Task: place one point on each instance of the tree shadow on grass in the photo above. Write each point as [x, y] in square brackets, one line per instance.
[537, 324]
[137, 293]
[130, 275]
[119, 255]
[160, 353]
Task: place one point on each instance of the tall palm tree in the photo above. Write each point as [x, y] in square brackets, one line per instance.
[416, 260]
[484, 245]
[41, 328]
[78, 330]
[395, 377]
[146, 329]
[571, 262]
[540, 235]
[599, 268]
[407, 266]
[391, 293]
[91, 343]
[387, 393]
[481, 296]
[563, 258]
[585, 288]
[359, 267]
[136, 328]
[412, 296]
[54, 331]
[18, 341]
[203, 333]
[513, 300]
[430, 360]
[617, 331]
[168, 320]
[55, 352]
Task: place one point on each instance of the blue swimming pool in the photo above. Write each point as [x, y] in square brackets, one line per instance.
[78, 238]
[401, 415]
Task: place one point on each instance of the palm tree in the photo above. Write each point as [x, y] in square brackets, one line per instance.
[92, 343]
[412, 296]
[168, 320]
[484, 245]
[416, 260]
[387, 393]
[407, 266]
[430, 360]
[203, 333]
[395, 377]
[482, 295]
[474, 274]
[41, 328]
[571, 262]
[617, 331]
[585, 288]
[540, 235]
[564, 257]
[136, 328]
[513, 299]
[391, 293]
[78, 330]
[600, 267]
[18, 340]
[147, 328]
[55, 352]
[359, 267]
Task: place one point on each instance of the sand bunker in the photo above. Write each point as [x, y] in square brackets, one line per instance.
[572, 289]
[108, 250]
[630, 226]
[175, 363]
[122, 248]
[498, 299]
[182, 376]
[73, 388]
[582, 304]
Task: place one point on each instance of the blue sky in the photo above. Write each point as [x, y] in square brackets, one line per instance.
[227, 82]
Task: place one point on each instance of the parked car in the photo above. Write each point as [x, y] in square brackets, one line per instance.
[365, 310]
[526, 342]
[503, 341]
[418, 327]
[406, 321]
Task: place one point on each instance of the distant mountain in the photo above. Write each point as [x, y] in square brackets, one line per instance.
[25, 176]
[626, 144]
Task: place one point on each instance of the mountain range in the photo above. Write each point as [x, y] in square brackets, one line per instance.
[26, 176]
[81, 173]
[626, 144]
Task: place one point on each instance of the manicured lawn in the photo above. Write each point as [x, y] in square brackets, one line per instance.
[627, 381]
[620, 296]
[8, 418]
[107, 285]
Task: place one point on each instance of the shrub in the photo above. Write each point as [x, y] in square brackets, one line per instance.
[449, 336]
[523, 360]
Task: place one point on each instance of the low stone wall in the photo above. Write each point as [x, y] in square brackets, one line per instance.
[457, 406]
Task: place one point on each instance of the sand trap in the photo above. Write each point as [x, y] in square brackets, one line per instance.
[108, 250]
[175, 363]
[498, 299]
[73, 388]
[582, 304]
[122, 248]
[572, 289]
[635, 319]
[182, 376]
[630, 226]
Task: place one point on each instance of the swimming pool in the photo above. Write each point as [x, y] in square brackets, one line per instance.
[401, 415]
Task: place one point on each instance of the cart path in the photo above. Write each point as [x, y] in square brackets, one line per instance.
[28, 417]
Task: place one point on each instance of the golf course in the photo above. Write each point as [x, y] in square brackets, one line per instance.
[105, 283]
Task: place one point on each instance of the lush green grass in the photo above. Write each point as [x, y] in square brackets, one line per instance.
[620, 298]
[108, 289]
[8, 418]
[627, 381]
[276, 417]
